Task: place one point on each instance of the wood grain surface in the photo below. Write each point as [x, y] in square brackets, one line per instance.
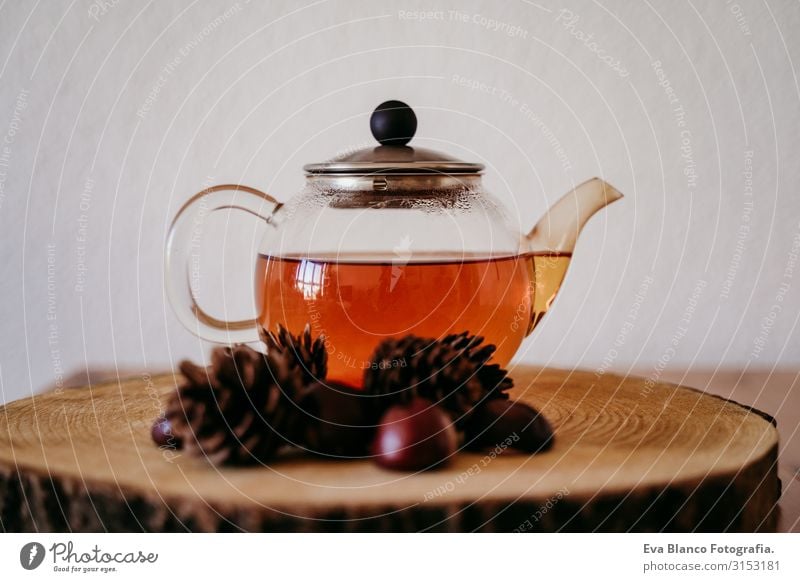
[775, 391]
[630, 455]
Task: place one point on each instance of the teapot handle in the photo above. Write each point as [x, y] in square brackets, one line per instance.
[183, 239]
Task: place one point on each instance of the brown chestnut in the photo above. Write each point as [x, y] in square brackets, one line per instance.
[336, 420]
[414, 436]
[161, 433]
[500, 421]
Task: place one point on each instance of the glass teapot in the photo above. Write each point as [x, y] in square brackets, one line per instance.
[384, 242]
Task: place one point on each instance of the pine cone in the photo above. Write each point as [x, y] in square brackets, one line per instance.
[301, 352]
[238, 410]
[452, 371]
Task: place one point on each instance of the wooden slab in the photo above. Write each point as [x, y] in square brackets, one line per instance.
[628, 457]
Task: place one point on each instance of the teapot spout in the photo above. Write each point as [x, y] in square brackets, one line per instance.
[558, 229]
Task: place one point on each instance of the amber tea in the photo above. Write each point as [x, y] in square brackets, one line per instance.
[356, 304]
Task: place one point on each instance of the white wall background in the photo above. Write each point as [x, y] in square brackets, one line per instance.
[239, 91]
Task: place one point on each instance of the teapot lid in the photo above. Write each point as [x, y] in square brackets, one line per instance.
[393, 124]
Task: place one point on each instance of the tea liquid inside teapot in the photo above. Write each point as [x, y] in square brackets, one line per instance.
[356, 304]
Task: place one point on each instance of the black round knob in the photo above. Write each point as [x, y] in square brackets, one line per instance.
[393, 123]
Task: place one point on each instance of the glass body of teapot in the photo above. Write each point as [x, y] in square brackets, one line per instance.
[386, 242]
